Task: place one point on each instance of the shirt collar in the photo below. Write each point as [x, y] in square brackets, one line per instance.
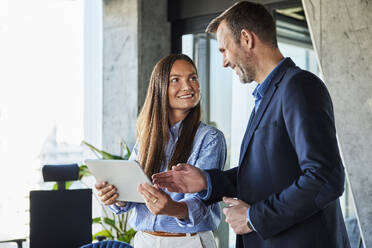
[174, 130]
[261, 88]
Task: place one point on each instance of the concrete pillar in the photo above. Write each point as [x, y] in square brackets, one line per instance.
[342, 36]
[136, 34]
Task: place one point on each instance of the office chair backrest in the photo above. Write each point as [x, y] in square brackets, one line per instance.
[60, 218]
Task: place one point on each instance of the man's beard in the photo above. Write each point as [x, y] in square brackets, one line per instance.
[248, 74]
[247, 69]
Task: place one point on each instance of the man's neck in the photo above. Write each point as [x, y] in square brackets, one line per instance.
[267, 61]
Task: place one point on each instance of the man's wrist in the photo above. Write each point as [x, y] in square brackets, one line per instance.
[205, 194]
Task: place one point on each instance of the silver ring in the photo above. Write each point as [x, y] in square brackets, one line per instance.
[155, 200]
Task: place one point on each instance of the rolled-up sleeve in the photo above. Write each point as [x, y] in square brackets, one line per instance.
[212, 156]
[119, 210]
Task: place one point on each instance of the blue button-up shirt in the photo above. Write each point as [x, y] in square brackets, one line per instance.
[261, 88]
[208, 152]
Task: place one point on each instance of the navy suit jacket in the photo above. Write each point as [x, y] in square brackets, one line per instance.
[290, 169]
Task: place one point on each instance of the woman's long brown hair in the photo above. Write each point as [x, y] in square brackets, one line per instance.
[153, 121]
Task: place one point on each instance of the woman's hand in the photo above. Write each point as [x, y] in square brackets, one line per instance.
[159, 202]
[108, 194]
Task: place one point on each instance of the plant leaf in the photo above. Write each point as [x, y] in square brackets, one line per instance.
[125, 148]
[105, 233]
[96, 220]
[111, 223]
[128, 235]
[105, 155]
[84, 171]
[68, 184]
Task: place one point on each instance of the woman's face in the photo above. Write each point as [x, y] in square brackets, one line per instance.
[183, 89]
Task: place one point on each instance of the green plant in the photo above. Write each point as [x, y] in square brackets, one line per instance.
[114, 226]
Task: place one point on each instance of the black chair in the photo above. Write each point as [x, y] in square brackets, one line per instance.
[108, 244]
[17, 241]
[60, 218]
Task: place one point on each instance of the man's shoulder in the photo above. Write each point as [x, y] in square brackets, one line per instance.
[297, 76]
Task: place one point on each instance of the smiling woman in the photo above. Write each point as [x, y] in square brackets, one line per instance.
[163, 107]
[169, 131]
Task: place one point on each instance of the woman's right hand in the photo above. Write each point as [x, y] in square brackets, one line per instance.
[108, 194]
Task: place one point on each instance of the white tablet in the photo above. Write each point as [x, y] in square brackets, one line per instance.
[123, 174]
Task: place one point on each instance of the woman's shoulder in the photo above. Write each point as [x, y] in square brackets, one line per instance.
[208, 142]
[209, 132]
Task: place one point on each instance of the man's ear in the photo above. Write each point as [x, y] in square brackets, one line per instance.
[247, 38]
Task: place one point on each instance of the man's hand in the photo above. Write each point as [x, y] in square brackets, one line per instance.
[236, 215]
[183, 178]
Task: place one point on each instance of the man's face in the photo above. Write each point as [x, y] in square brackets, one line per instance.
[240, 59]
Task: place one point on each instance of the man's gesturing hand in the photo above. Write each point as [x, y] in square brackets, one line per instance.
[183, 178]
[236, 215]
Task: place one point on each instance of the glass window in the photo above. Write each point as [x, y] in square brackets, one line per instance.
[303, 56]
[220, 93]
[188, 45]
[41, 99]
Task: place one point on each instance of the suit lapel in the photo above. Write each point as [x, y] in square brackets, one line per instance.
[253, 122]
[242, 147]
[256, 118]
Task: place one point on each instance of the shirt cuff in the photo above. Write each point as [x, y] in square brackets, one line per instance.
[118, 210]
[249, 219]
[195, 211]
[206, 194]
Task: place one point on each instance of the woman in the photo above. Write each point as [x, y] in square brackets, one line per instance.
[169, 131]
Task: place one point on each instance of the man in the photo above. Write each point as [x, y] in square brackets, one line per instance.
[285, 191]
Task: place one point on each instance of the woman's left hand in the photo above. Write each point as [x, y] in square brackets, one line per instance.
[159, 202]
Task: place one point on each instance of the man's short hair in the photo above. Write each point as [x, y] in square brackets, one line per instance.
[246, 15]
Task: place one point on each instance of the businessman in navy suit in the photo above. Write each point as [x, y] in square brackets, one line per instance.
[285, 191]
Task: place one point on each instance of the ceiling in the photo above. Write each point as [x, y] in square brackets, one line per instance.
[294, 12]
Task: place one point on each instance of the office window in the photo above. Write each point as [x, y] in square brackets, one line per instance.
[302, 55]
[41, 99]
